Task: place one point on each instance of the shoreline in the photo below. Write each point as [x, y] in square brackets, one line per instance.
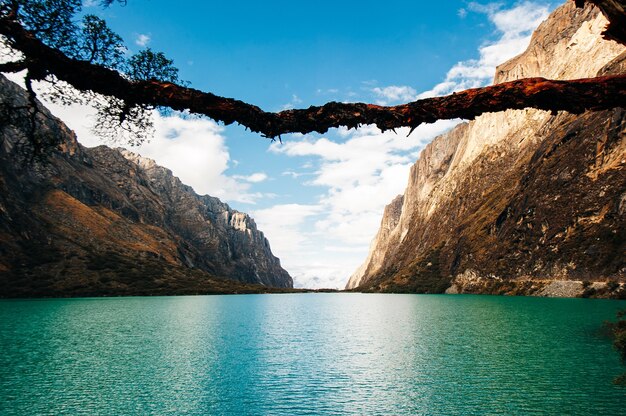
[539, 288]
[471, 282]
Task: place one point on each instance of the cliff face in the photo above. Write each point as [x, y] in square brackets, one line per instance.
[513, 201]
[104, 221]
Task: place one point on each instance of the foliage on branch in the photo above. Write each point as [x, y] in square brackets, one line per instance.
[150, 65]
[89, 40]
[52, 21]
[97, 44]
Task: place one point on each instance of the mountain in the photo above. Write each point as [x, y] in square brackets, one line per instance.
[101, 221]
[522, 201]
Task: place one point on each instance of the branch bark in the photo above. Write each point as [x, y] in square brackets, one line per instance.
[575, 96]
[15, 66]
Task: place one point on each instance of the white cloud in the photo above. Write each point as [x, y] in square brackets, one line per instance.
[394, 94]
[282, 225]
[303, 251]
[254, 178]
[514, 28]
[296, 175]
[142, 40]
[328, 91]
[488, 8]
[328, 271]
[295, 101]
[194, 149]
[521, 20]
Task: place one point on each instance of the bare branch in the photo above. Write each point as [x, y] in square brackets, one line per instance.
[15, 66]
[574, 96]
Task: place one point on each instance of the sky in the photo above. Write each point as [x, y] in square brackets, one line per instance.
[318, 198]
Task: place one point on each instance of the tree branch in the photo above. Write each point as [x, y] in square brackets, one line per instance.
[15, 66]
[574, 96]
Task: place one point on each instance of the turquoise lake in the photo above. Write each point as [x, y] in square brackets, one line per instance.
[370, 354]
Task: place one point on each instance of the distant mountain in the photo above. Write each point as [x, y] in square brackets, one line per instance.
[517, 202]
[102, 221]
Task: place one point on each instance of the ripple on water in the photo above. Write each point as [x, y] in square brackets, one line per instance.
[308, 354]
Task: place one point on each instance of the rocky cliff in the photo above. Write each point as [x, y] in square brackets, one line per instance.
[102, 221]
[518, 202]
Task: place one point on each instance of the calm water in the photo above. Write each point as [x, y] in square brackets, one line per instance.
[308, 354]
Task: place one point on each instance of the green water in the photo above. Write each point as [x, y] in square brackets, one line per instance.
[308, 354]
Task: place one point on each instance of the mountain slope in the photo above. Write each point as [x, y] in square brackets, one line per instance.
[96, 221]
[514, 201]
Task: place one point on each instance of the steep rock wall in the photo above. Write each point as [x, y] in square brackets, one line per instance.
[518, 195]
[91, 221]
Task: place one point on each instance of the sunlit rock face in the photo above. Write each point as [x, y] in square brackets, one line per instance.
[106, 221]
[516, 196]
[378, 249]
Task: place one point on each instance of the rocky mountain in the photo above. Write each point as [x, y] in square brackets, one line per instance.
[102, 221]
[522, 201]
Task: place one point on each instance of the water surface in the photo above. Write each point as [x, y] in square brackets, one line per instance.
[308, 354]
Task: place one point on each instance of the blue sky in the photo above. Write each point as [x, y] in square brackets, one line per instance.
[265, 52]
[318, 198]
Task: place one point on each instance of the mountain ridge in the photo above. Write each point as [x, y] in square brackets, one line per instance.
[489, 204]
[79, 221]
